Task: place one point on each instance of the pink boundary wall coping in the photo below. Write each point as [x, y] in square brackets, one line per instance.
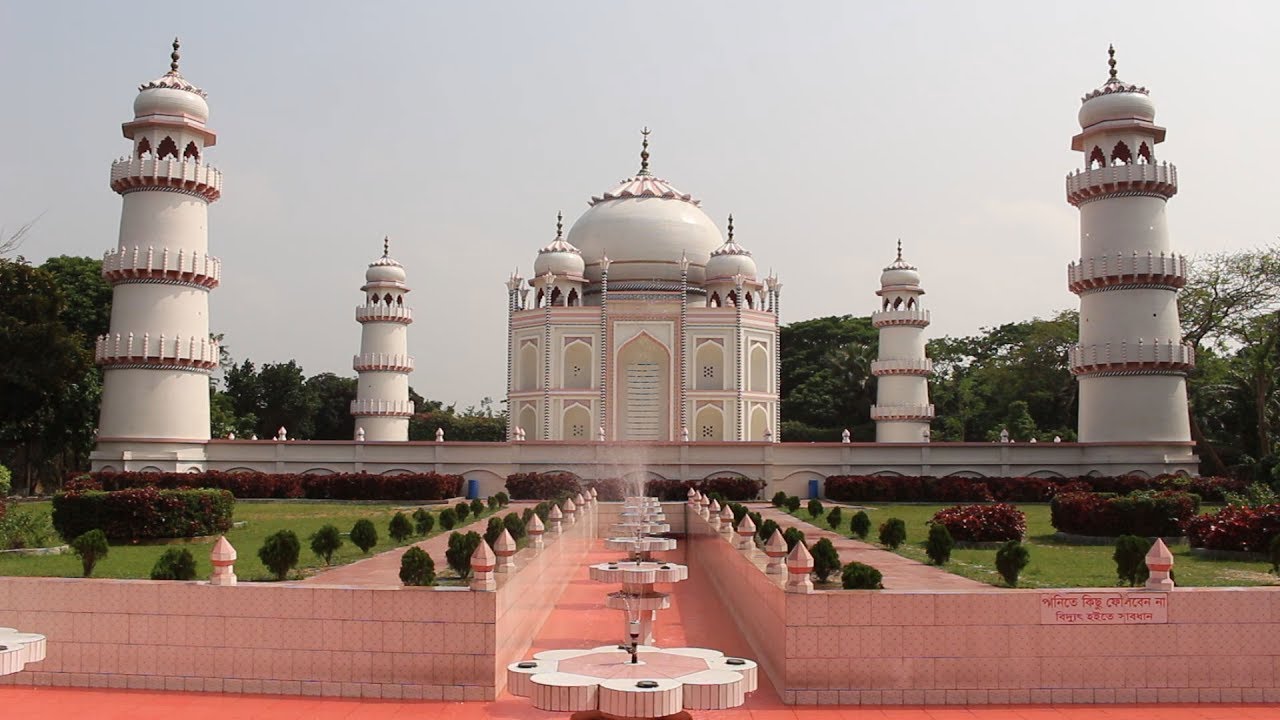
[989, 646]
[287, 638]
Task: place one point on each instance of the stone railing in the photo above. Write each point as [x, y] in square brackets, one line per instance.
[394, 408]
[130, 174]
[163, 352]
[901, 366]
[1165, 355]
[1084, 185]
[146, 264]
[384, 313]
[386, 362]
[912, 318]
[902, 412]
[1116, 270]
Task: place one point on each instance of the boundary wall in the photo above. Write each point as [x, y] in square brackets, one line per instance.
[290, 638]
[881, 647]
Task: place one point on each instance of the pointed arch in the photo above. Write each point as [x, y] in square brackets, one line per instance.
[1144, 155]
[751, 301]
[911, 304]
[167, 148]
[714, 300]
[538, 300]
[576, 373]
[387, 298]
[191, 151]
[709, 367]
[1097, 159]
[897, 303]
[576, 423]
[574, 300]
[758, 369]
[759, 424]
[1120, 154]
[709, 424]
[644, 389]
[529, 422]
[528, 367]
[144, 147]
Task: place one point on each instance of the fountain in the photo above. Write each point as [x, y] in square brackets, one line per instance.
[17, 649]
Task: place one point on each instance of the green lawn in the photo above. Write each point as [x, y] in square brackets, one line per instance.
[262, 518]
[1053, 564]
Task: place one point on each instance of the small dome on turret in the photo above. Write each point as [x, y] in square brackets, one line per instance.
[385, 269]
[1116, 100]
[171, 94]
[559, 257]
[900, 273]
[730, 259]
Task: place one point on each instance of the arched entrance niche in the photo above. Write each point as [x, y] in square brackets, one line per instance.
[576, 424]
[709, 425]
[644, 390]
[759, 424]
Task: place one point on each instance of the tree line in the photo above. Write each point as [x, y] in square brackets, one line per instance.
[1012, 376]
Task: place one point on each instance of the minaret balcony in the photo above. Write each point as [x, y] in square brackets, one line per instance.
[147, 265]
[382, 362]
[148, 173]
[1153, 357]
[133, 350]
[384, 313]
[913, 317]
[382, 408]
[902, 366]
[902, 413]
[1119, 270]
[1147, 179]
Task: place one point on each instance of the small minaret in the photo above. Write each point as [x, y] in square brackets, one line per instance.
[157, 355]
[902, 412]
[1131, 361]
[382, 407]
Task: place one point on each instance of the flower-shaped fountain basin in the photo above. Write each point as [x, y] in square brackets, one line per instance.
[642, 573]
[17, 649]
[644, 544]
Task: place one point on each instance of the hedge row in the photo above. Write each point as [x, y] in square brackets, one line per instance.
[730, 488]
[1145, 513]
[542, 486]
[1247, 529]
[983, 523]
[338, 486]
[550, 486]
[882, 488]
[143, 513]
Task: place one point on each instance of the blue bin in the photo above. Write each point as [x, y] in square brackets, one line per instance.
[473, 489]
[813, 490]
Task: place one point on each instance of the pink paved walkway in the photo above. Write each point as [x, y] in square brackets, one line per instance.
[900, 573]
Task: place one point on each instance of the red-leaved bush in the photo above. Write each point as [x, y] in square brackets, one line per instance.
[731, 488]
[142, 513]
[338, 486]
[983, 523]
[878, 488]
[542, 486]
[1143, 513]
[1246, 529]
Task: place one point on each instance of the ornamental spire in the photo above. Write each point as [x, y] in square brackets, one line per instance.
[1111, 60]
[559, 225]
[644, 151]
[899, 249]
[730, 227]
[386, 246]
[174, 57]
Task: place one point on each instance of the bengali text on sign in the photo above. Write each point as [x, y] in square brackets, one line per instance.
[1104, 608]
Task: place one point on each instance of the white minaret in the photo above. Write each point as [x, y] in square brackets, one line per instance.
[1131, 361]
[902, 412]
[157, 356]
[382, 407]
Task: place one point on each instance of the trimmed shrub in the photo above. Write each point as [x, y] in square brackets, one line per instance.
[756, 519]
[982, 523]
[1011, 558]
[502, 498]
[1145, 513]
[728, 488]
[858, 576]
[893, 532]
[1130, 558]
[542, 486]
[779, 499]
[336, 486]
[835, 518]
[793, 503]
[739, 511]
[492, 502]
[423, 521]
[364, 535]
[448, 518]
[766, 529]
[493, 530]
[143, 513]
[477, 507]
[860, 524]
[542, 510]
[527, 515]
[174, 564]
[826, 560]
[875, 488]
[814, 507]
[91, 547]
[461, 547]
[793, 535]
[463, 509]
[1235, 528]
[400, 528]
[938, 545]
[279, 553]
[417, 568]
[325, 542]
[514, 525]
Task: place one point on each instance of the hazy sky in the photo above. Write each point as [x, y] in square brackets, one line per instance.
[459, 129]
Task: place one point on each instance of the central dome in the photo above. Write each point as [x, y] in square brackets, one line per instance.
[645, 225]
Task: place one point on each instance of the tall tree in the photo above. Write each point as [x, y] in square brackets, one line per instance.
[333, 394]
[826, 377]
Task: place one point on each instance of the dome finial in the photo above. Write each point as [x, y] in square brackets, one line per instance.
[899, 249]
[386, 246]
[559, 225]
[730, 227]
[174, 56]
[644, 151]
[1111, 60]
